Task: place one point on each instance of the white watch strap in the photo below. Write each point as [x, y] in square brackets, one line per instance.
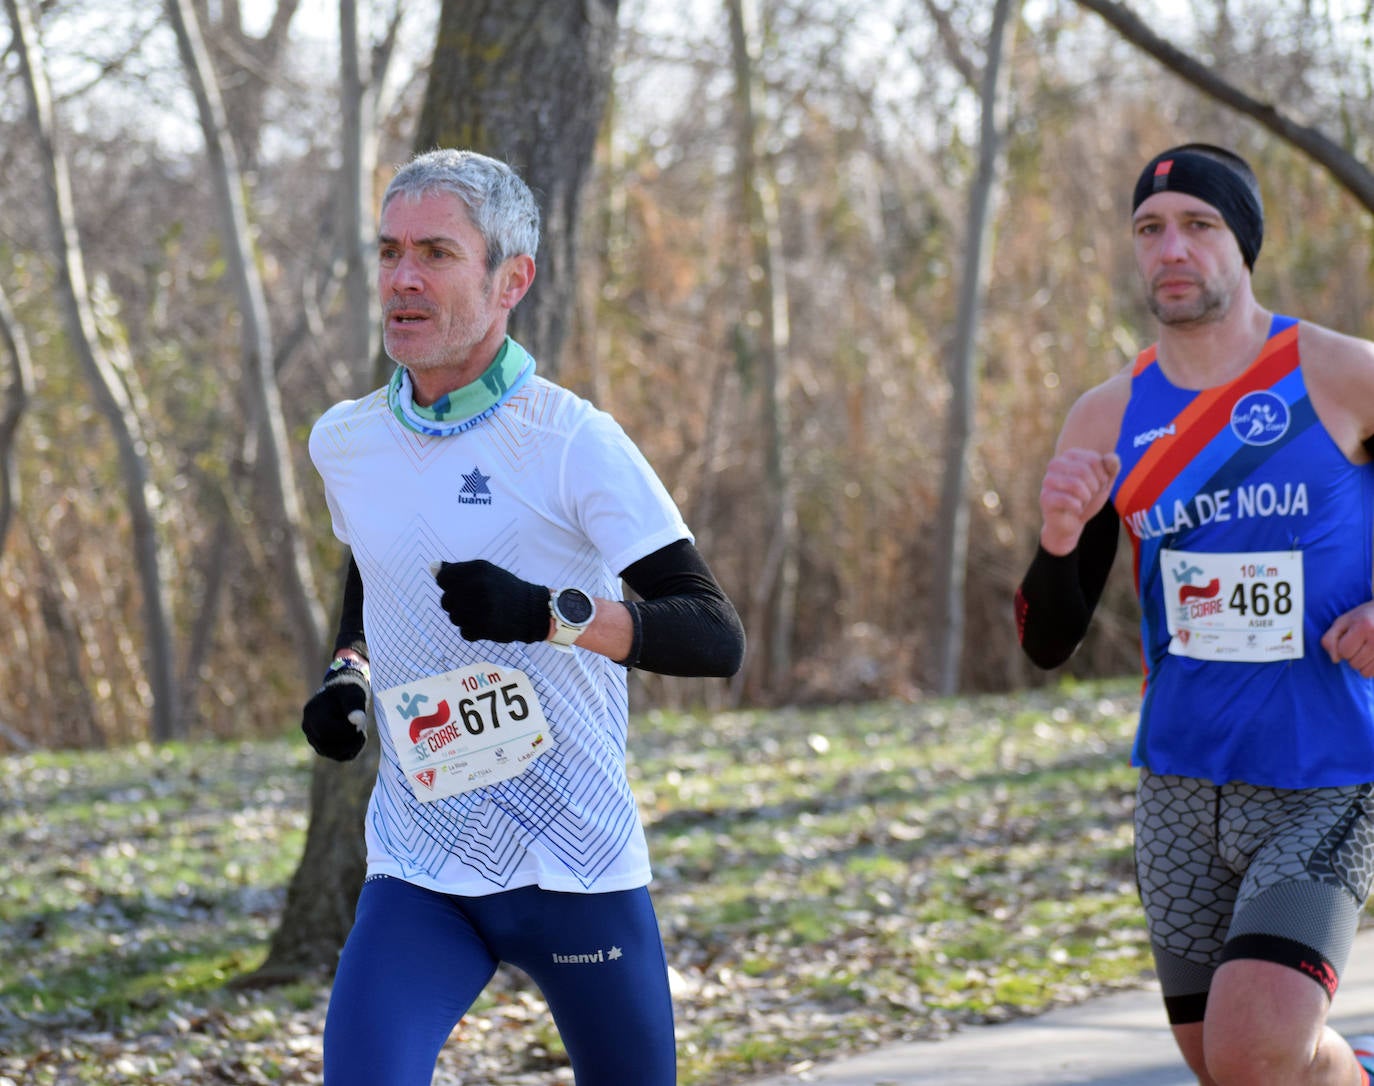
[564, 634]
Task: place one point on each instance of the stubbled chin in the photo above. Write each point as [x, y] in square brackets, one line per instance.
[409, 355]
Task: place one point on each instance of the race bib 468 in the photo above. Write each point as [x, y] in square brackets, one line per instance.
[1245, 607]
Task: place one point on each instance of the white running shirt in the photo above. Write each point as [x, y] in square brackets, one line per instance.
[551, 489]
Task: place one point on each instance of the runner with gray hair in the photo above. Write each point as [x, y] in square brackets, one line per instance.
[492, 516]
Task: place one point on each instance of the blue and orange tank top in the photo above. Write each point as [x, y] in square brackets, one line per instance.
[1251, 534]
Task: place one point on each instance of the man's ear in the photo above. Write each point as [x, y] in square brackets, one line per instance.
[517, 273]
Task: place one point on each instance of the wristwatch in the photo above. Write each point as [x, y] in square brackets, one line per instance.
[573, 611]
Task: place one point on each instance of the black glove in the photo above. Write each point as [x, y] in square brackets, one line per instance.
[335, 717]
[487, 603]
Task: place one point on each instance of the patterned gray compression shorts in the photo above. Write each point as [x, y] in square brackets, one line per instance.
[1237, 871]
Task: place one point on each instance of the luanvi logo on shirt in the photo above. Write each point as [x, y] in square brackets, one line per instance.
[598, 957]
[474, 490]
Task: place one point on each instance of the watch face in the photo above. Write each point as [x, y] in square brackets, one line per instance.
[575, 606]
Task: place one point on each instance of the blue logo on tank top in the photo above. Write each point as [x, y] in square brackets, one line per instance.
[1260, 418]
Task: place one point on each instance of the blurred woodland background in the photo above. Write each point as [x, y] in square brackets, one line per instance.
[842, 266]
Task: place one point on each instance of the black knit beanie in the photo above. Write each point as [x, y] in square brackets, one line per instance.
[1218, 177]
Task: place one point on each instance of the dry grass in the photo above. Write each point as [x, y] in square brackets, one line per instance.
[827, 880]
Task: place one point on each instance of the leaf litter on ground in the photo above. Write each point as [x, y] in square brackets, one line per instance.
[827, 880]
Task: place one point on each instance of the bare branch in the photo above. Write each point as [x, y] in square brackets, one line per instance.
[108, 67]
[1343, 166]
[949, 37]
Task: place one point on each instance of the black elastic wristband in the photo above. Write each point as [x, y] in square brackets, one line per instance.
[636, 635]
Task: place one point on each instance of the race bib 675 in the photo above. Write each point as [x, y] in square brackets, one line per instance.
[465, 729]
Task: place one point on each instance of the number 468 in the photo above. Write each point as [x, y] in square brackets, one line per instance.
[1262, 597]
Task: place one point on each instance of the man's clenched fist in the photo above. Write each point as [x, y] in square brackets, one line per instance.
[488, 603]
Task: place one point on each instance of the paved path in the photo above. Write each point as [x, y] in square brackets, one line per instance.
[1121, 1039]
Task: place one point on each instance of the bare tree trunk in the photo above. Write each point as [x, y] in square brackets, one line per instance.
[525, 82]
[111, 395]
[324, 888]
[775, 592]
[250, 64]
[952, 523]
[19, 389]
[87, 719]
[303, 598]
[361, 308]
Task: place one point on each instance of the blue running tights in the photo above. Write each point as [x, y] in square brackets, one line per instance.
[416, 960]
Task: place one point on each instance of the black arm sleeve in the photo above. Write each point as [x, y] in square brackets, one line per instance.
[350, 635]
[1058, 595]
[683, 622]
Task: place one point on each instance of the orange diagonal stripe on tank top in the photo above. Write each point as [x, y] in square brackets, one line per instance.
[1202, 420]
